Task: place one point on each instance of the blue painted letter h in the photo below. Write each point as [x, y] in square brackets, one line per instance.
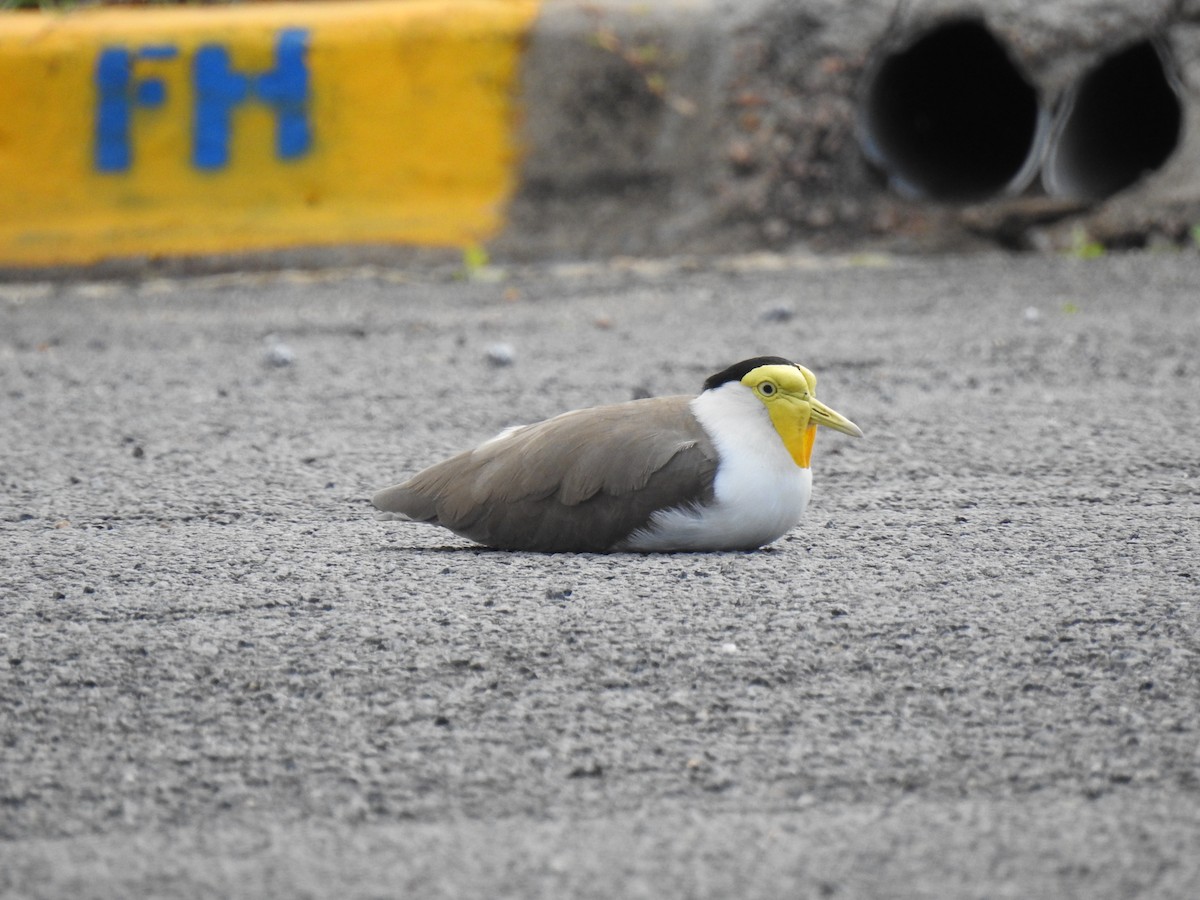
[219, 90]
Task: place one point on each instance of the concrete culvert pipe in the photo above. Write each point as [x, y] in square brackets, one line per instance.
[950, 117]
[1120, 121]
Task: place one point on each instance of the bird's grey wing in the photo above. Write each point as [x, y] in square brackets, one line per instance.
[580, 481]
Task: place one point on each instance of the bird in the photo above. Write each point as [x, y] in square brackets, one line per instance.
[727, 469]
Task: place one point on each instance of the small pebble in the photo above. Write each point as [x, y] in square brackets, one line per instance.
[778, 312]
[1032, 314]
[501, 355]
[278, 354]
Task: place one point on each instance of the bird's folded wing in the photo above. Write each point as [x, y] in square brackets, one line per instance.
[580, 481]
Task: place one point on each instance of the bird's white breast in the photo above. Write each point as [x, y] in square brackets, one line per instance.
[759, 493]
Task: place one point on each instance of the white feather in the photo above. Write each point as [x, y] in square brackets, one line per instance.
[760, 492]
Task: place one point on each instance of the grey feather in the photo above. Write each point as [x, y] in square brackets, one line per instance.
[582, 481]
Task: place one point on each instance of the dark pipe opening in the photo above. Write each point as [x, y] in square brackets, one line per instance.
[950, 117]
[1122, 120]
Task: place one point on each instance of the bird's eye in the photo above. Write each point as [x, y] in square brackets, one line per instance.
[766, 389]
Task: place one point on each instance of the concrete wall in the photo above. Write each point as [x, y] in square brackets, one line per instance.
[706, 125]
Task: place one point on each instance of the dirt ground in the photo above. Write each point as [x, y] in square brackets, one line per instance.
[973, 670]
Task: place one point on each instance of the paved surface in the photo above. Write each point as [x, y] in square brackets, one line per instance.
[972, 672]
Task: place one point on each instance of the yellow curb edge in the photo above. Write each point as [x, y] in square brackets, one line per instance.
[188, 131]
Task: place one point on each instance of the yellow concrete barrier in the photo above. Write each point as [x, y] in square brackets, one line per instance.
[146, 132]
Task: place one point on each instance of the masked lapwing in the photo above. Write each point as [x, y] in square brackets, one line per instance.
[725, 470]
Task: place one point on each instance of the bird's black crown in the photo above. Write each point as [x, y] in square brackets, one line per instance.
[738, 371]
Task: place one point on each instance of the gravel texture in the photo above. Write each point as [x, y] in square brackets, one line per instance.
[973, 670]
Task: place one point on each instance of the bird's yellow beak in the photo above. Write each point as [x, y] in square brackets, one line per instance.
[823, 415]
[820, 414]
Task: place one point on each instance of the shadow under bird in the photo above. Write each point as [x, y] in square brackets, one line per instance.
[725, 470]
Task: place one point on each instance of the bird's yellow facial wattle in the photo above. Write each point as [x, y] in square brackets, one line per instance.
[789, 394]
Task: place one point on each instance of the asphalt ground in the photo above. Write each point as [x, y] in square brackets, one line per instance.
[972, 671]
